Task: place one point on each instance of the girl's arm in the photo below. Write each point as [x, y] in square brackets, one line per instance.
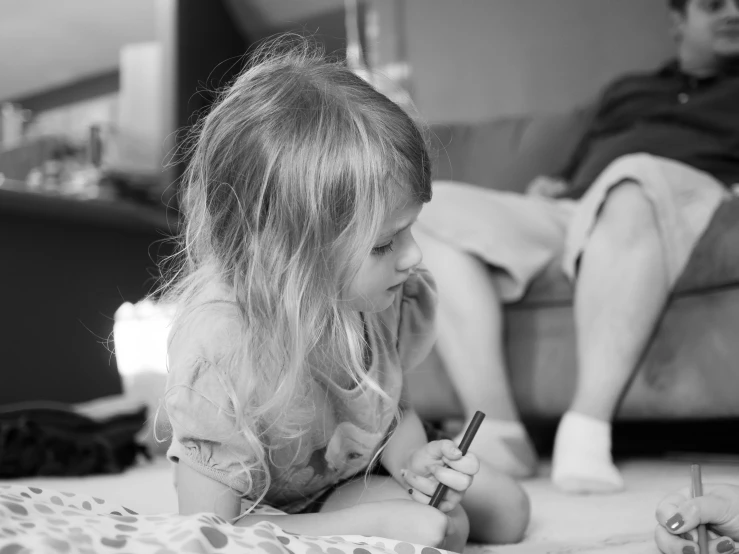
[395, 519]
[497, 506]
[197, 493]
[407, 437]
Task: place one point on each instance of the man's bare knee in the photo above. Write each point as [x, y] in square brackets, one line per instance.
[627, 214]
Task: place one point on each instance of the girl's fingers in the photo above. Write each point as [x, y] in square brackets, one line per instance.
[422, 484]
[437, 450]
[671, 544]
[427, 487]
[445, 505]
[721, 545]
[676, 513]
[668, 508]
[687, 543]
[447, 453]
[468, 464]
[418, 496]
[452, 478]
[692, 535]
[449, 450]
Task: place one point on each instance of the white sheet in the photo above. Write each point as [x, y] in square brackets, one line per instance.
[560, 523]
[147, 488]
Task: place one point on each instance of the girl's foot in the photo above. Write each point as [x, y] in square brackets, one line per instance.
[505, 446]
[581, 461]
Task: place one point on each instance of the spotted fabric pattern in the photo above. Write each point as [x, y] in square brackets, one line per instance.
[34, 520]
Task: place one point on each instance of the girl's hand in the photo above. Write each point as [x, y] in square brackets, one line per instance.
[440, 462]
[679, 515]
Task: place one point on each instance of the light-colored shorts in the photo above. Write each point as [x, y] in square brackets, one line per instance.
[521, 235]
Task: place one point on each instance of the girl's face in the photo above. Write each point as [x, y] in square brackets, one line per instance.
[393, 257]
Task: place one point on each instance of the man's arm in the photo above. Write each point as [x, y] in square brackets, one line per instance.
[566, 174]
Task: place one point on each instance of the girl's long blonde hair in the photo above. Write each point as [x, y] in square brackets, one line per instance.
[290, 177]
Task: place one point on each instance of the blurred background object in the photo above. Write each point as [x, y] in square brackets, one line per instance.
[61, 90]
[97, 99]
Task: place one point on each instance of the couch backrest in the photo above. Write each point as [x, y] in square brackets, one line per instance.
[506, 153]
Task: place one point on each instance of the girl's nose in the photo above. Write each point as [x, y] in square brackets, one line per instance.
[410, 257]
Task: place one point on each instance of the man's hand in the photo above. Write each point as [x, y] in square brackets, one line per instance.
[547, 187]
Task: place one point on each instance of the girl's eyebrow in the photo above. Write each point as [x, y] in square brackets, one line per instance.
[394, 232]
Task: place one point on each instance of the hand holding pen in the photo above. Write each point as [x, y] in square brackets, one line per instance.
[699, 519]
[441, 472]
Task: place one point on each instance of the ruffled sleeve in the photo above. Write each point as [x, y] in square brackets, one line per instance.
[199, 405]
[416, 327]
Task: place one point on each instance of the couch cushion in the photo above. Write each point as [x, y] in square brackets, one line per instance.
[713, 264]
[506, 153]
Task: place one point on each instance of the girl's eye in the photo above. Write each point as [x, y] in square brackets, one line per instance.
[381, 250]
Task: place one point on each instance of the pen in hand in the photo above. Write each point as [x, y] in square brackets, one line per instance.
[469, 434]
[697, 490]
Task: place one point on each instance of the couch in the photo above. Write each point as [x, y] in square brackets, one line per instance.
[690, 369]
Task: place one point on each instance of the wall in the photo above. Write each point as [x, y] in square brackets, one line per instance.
[74, 120]
[48, 43]
[477, 59]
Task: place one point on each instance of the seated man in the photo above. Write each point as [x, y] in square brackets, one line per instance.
[659, 156]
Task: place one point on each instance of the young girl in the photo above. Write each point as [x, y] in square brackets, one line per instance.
[301, 303]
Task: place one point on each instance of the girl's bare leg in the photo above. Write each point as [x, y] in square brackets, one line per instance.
[377, 488]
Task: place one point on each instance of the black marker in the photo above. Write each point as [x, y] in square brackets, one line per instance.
[697, 490]
[469, 434]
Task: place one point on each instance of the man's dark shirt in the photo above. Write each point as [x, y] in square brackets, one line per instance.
[668, 114]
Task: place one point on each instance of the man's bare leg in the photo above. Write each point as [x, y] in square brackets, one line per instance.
[470, 343]
[621, 291]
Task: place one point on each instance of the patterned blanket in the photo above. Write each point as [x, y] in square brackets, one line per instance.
[35, 520]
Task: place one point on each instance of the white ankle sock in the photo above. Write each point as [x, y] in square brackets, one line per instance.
[582, 461]
[504, 445]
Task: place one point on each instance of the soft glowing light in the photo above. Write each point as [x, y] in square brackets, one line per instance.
[140, 336]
